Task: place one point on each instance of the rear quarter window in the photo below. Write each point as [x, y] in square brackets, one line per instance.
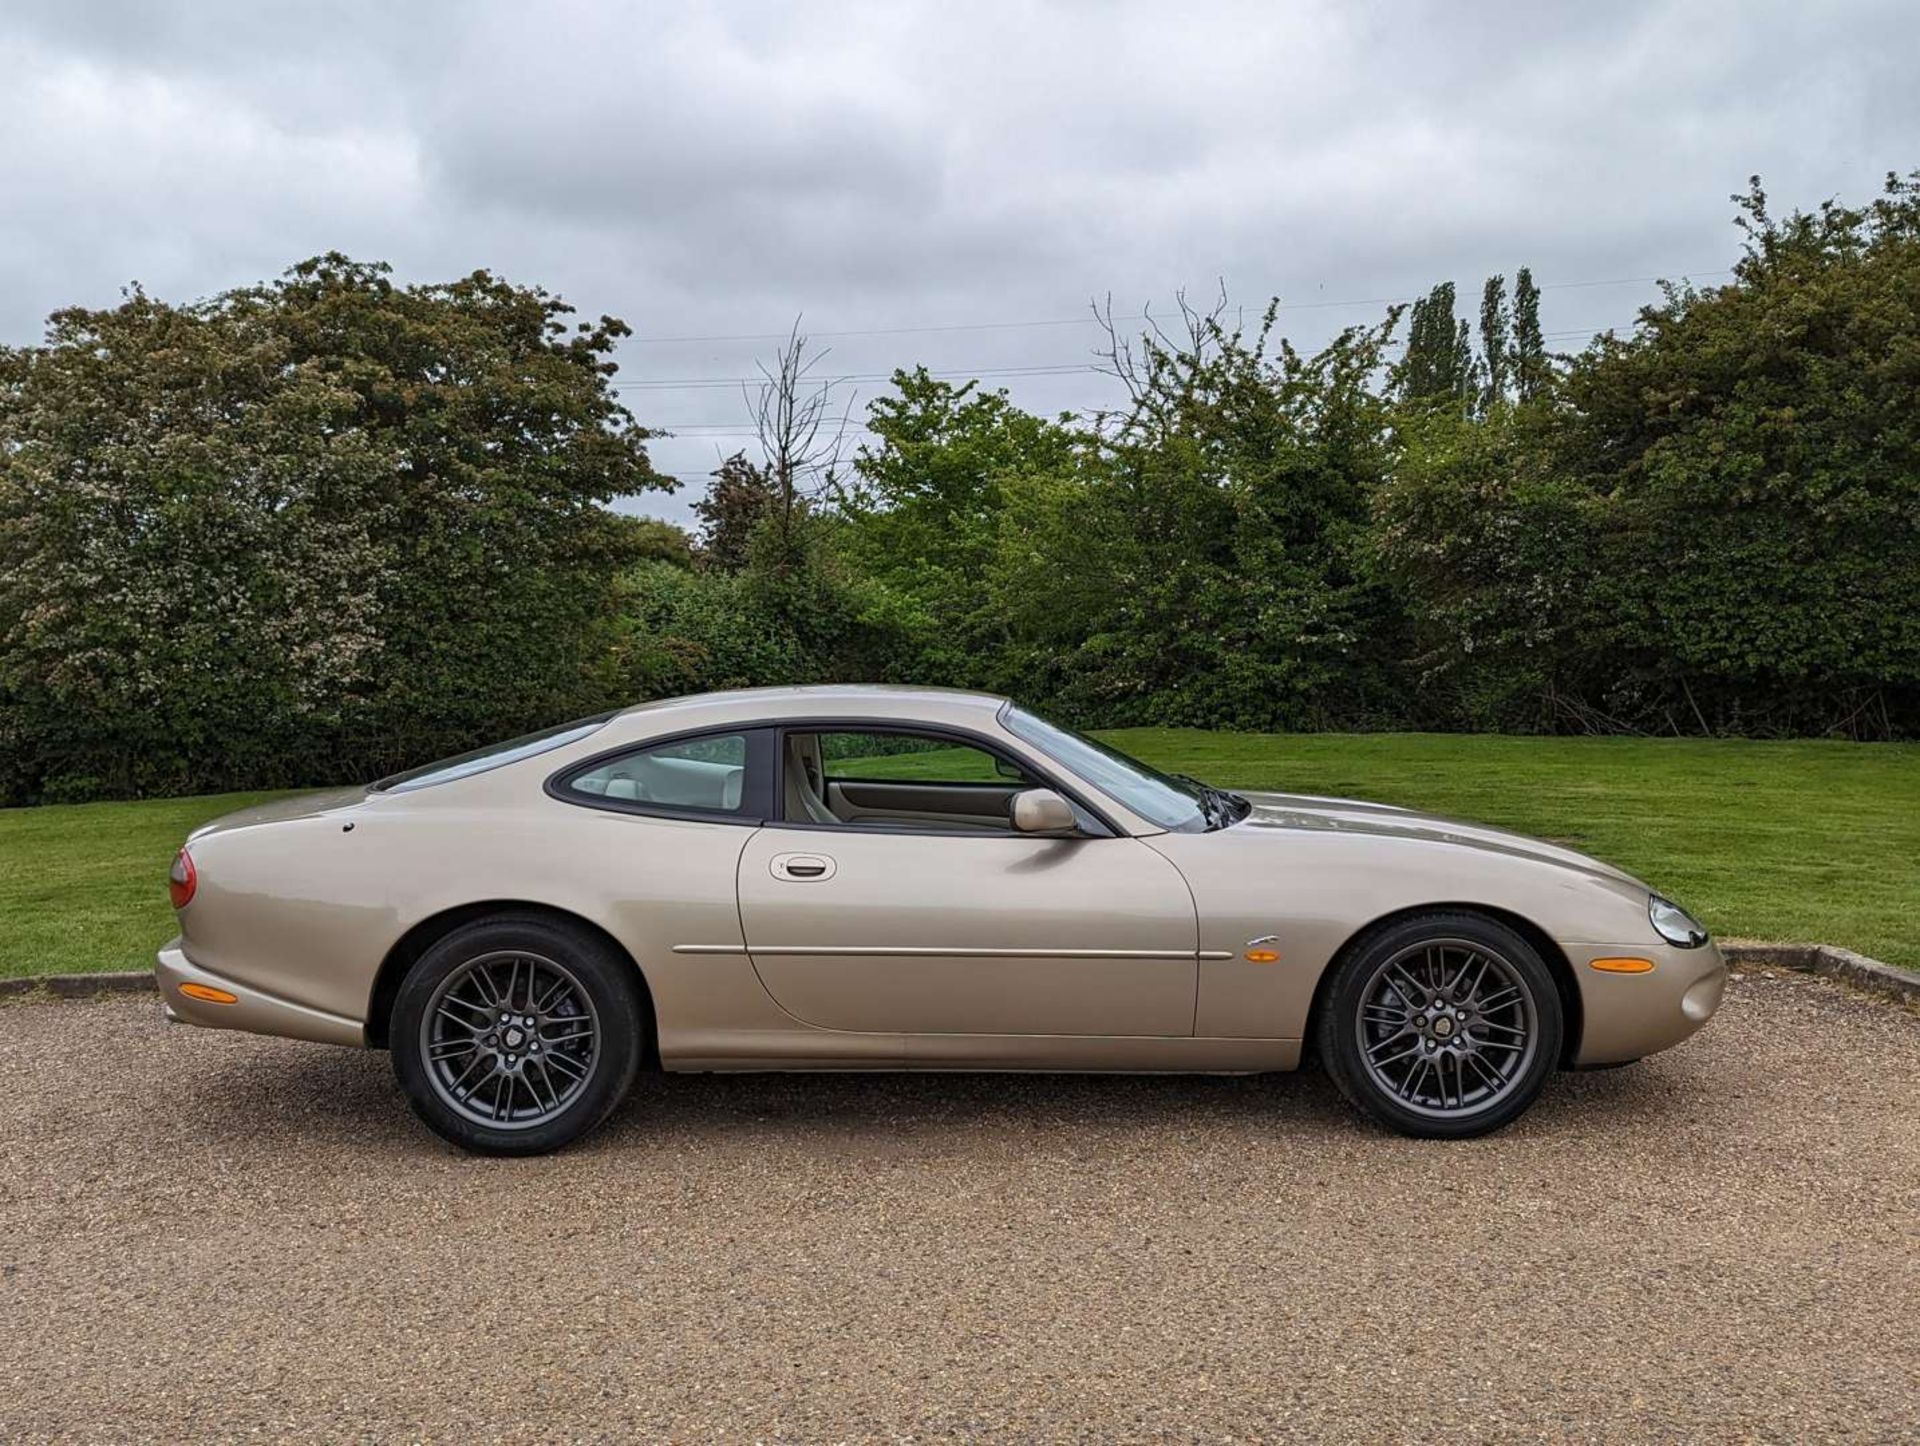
[493, 755]
[706, 774]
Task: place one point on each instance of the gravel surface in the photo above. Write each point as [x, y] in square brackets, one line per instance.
[207, 1235]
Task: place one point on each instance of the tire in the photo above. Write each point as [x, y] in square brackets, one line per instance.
[515, 1035]
[1441, 1026]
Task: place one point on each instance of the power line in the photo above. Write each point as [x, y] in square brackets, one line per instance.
[1049, 369]
[729, 430]
[697, 383]
[1091, 319]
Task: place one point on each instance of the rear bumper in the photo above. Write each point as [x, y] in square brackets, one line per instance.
[1629, 1016]
[253, 1011]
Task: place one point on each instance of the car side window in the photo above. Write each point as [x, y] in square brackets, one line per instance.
[897, 778]
[906, 758]
[707, 774]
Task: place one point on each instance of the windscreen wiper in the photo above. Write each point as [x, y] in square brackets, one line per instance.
[1219, 807]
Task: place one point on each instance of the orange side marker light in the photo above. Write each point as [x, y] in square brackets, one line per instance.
[1260, 956]
[209, 994]
[1622, 966]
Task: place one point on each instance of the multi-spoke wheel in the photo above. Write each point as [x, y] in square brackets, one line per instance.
[510, 1039]
[1443, 1025]
[514, 1035]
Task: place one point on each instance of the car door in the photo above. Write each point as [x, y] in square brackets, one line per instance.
[937, 925]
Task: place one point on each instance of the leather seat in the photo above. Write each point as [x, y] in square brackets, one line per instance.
[803, 783]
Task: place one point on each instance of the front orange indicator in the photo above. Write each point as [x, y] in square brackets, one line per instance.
[208, 994]
[1260, 956]
[1622, 966]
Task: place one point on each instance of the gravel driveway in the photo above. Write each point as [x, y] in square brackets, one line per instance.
[211, 1235]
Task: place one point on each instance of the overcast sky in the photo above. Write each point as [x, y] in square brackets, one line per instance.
[924, 173]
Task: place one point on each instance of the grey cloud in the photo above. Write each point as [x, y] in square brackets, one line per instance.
[717, 169]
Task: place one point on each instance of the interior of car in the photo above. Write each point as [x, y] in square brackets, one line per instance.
[838, 778]
[887, 780]
[705, 773]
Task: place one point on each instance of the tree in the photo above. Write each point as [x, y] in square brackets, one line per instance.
[773, 601]
[800, 452]
[738, 501]
[1207, 564]
[656, 540]
[1529, 357]
[1716, 524]
[1438, 364]
[1495, 342]
[1491, 550]
[1755, 451]
[922, 511]
[304, 531]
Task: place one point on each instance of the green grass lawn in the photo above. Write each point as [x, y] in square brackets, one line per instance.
[1810, 841]
[84, 886]
[1801, 841]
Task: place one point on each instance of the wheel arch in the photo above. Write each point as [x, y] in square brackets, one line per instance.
[410, 946]
[1556, 959]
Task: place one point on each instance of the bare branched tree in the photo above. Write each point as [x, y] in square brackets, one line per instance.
[800, 440]
[1142, 365]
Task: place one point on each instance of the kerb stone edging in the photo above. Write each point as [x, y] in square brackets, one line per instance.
[82, 986]
[1831, 961]
[1901, 985]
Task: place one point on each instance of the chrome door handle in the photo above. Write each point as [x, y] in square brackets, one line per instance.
[802, 868]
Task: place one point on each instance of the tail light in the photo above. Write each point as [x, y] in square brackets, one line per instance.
[182, 880]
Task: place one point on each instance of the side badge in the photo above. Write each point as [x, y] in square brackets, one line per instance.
[1261, 950]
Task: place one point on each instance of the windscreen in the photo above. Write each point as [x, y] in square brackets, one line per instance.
[1127, 781]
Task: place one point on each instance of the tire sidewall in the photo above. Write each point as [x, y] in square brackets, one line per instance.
[606, 978]
[1340, 1047]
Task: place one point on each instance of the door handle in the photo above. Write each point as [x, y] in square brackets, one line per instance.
[802, 868]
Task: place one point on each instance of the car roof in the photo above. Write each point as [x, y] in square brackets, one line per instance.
[877, 701]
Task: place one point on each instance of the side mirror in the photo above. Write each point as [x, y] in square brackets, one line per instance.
[1041, 810]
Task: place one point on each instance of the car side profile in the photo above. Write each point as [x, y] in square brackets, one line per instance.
[851, 878]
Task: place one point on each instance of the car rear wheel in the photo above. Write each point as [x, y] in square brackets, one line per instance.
[516, 1035]
[1442, 1026]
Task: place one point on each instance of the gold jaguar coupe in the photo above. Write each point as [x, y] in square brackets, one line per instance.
[888, 878]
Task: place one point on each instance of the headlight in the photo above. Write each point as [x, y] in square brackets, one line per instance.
[1675, 924]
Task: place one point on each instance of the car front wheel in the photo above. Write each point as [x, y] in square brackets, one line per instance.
[1442, 1026]
[516, 1035]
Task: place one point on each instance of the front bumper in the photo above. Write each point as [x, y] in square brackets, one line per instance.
[253, 1010]
[1629, 1016]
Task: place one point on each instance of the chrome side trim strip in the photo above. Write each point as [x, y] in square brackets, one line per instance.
[936, 952]
[885, 949]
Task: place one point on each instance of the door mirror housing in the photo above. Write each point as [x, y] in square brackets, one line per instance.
[1041, 810]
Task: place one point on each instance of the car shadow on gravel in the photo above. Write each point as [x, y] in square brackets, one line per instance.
[350, 1098]
[1304, 1101]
